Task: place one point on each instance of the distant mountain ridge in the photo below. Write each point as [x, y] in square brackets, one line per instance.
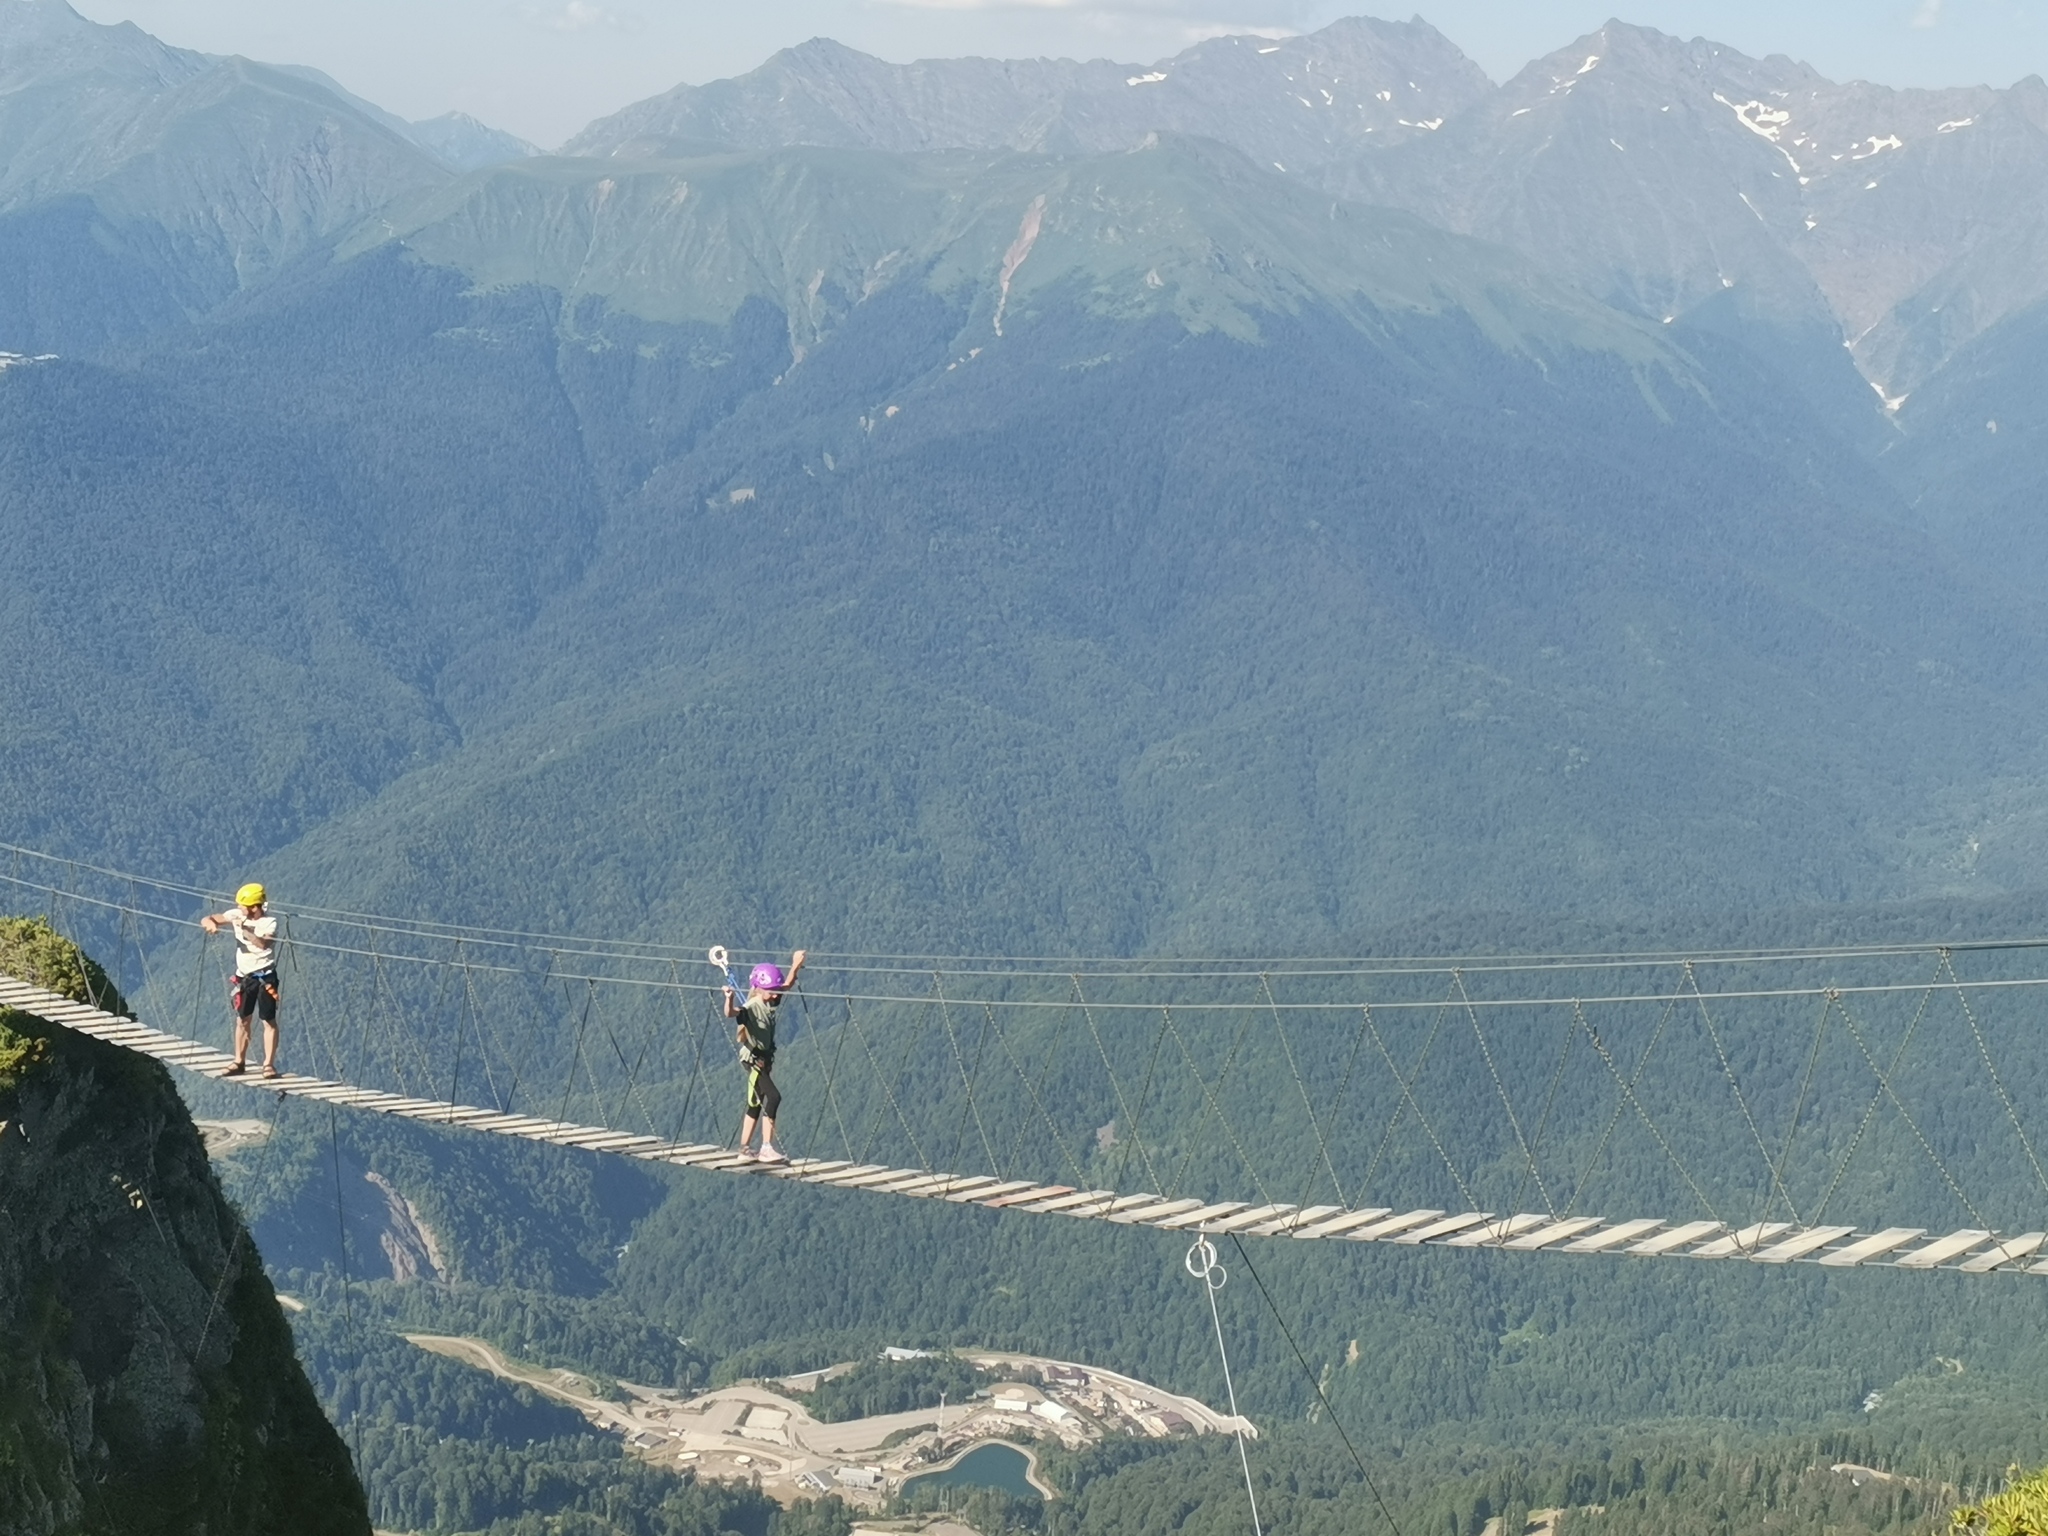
[1299, 100]
[1671, 178]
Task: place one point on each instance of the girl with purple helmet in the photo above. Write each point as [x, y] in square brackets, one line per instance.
[756, 1038]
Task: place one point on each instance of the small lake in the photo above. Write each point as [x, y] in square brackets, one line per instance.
[986, 1466]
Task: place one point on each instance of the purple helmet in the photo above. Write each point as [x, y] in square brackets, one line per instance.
[765, 978]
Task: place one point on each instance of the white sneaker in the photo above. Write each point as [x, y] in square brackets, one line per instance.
[746, 1154]
[770, 1155]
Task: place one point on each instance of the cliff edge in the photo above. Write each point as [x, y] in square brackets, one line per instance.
[147, 1377]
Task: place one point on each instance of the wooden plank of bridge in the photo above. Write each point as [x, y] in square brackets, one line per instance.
[1443, 1227]
[1497, 1232]
[1942, 1249]
[1621, 1232]
[1670, 1242]
[1380, 1231]
[1801, 1244]
[1337, 1226]
[1552, 1232]
[2008, 1251]
[1874, 1246]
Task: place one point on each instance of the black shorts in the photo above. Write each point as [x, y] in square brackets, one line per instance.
[256, 994]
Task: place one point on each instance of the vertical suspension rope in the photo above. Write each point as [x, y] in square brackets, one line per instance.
[1301, 1084]
[1203, 1264]
[1116, 1087]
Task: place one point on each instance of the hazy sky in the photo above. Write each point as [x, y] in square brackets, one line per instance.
[543, 68]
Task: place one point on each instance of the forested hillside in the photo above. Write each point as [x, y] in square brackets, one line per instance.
[974, 509]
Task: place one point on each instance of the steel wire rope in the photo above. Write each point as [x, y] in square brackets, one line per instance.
[1301, 1085]
[888, 1100]
[483, 1044]
[1820, 1030]
[712, 1019]
[1531, 1001]
[1336, 1109]
[1621, 1100]
[1628, 1089]
[1144, 1099]
[632, 1088]
[1038, 1098]
[1408, 1097]
[1884, 1082]
[1571, 1034]
[1984, 1050]
[1876, 1099]
[1212, 1106]
[1501, 1090]
[576, 1052]
[1315, 1385]
[539, 993]
[389, 1014]
[305, 994]
[1405, 1082]
[831, 1083]
[967, 1078]
[1735, 1085]
[899, 1080]
[1062, 965]
[1203, 1264]
[1116, 1087]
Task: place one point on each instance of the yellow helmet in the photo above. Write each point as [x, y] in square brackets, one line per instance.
[251, 895]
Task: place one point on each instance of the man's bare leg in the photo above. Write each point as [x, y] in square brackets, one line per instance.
[241, 1039]
[747, 1130]
[269, 1045]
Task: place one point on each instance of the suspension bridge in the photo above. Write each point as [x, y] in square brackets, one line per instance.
[1755, 1095]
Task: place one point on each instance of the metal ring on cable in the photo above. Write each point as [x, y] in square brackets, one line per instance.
[717, 956]
[1202, 1263]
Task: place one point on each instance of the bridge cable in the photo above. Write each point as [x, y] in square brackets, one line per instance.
[1621, 1101]
[1629, 1094]
[1203, 1264]
[1403, 1080]
[887, 1083]
[1144, 1099]
[1337, 1108]
[1501, 1090]
[1820, 1030]
[1912, 1125]
[1314, 1124]
[1037, 1098]
[1984, 1050]
[832, 1076]
[1116, 1087]
[1877, 1098]
[1741, 1099]
[1571, 1034]
[1212, 1107]
[1315, 1385]
[967, 1078]
[576, 1050]
[1408, 1097]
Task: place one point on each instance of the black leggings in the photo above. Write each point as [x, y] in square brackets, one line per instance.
[763, 1097]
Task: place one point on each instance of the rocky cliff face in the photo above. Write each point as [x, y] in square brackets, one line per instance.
[147, 1378]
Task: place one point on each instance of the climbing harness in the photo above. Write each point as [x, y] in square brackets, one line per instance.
[1203, 1264]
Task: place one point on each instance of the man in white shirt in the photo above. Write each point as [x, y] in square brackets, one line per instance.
[255, 980]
